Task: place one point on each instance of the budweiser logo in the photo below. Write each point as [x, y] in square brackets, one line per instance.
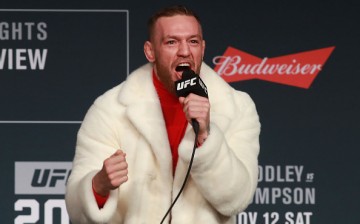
[298, 70]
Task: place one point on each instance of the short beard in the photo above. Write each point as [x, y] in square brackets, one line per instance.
[168, 84]
[166, 80]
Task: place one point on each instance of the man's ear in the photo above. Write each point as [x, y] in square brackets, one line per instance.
[148, 50]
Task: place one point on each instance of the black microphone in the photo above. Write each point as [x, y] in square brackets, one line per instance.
[191, 83]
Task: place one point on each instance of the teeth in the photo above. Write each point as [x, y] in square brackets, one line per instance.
[184, 64]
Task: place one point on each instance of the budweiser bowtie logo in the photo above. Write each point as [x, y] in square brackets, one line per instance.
[295, 69]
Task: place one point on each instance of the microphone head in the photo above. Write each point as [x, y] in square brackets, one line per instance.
[190, 83]
[187, 74]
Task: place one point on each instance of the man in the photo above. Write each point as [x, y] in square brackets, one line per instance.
[135, 143]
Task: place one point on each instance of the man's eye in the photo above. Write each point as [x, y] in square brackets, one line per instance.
[194, 41]
[170, 42]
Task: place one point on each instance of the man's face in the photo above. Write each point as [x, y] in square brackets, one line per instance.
[176, 44]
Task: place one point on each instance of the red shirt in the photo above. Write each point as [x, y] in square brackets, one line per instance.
[174, 117]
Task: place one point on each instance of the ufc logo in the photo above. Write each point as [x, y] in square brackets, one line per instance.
[41, 177]
[184, 84]
[49, 177]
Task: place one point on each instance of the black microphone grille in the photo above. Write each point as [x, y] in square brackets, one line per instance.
[188, 73]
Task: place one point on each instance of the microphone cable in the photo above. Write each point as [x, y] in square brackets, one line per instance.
[196, 130]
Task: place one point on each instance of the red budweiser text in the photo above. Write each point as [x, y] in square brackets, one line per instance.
[296, 69]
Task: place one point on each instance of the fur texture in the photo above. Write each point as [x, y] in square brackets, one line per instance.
[129, 117]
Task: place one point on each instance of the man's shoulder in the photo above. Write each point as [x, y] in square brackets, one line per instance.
[131, 85]
[109, 96]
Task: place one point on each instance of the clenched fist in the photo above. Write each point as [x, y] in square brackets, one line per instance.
[112, 175]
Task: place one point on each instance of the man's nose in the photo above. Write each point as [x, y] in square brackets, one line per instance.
[184, 49]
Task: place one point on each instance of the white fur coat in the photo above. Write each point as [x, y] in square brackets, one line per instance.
[129, 117]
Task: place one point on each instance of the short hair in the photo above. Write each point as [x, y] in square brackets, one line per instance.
[169, 12]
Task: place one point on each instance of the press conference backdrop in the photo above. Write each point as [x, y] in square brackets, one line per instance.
[298, 60]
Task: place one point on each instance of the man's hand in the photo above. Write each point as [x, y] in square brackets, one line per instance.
[198, 108]
[112, 175]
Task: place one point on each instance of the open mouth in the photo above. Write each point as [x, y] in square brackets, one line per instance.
[182, 67]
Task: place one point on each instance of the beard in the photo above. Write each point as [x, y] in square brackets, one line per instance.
[164, 76]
